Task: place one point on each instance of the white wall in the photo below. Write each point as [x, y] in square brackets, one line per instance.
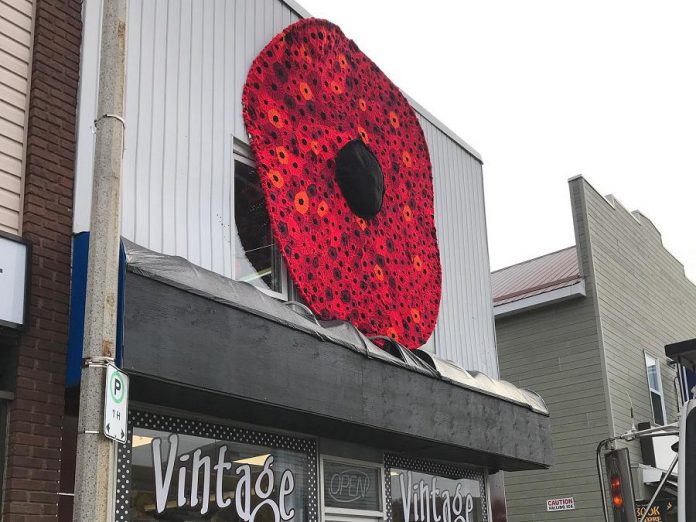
[187, 62]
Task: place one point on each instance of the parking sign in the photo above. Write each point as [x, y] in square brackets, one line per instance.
[116, 404]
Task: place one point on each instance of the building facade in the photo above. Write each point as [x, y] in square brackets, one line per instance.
[241, 405]
[39, 71]
[586, 328]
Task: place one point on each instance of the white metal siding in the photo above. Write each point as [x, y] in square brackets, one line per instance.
[465, 332]
[16, 25]
[187, 63]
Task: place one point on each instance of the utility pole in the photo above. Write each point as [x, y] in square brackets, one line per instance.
[95, 467]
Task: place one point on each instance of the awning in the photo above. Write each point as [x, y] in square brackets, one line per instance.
[198, 341]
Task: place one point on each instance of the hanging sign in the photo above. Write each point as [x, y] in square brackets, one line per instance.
[560, 504]
[116, 404]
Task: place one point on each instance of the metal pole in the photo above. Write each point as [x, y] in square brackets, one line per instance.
[601, 477]
[95, 465]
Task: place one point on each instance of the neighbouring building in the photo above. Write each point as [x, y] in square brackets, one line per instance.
[586, 328]
[242, 404]
[39, 72]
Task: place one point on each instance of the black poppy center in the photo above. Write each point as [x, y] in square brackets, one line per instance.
[360, 177]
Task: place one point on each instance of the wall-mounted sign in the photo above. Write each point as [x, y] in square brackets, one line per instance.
[560, 504]
[350, 486]
[15, 260]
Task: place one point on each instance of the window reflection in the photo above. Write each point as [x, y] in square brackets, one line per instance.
[257, 260]
[181, 498]
[424, 497]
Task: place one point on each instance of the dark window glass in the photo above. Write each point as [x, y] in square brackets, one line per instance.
[257, 260]
[656, 399]
[422, 497]
[350, 486]
[177, 477]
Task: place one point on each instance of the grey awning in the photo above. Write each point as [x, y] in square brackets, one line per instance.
[233, 348]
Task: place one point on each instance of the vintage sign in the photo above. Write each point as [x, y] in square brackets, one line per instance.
[430, 503]
[200, 467]
[560, 504]
[15, 260]
[351, 486]
[116, 404]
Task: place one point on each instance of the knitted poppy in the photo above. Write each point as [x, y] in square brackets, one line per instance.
[347, 178]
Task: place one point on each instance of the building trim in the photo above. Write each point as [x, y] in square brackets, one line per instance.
[558, 295]
[580, 220]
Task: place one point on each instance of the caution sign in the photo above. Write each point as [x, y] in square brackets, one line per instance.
[116, 404]
[560, 504]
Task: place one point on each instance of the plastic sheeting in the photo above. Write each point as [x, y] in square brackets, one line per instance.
[180, 273]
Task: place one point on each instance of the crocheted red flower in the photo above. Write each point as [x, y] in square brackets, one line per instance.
[348, 182]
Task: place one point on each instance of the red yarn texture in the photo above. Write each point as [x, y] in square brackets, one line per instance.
[308, 93]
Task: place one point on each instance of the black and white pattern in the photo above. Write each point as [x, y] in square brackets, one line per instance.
[184, 426]
[433, 468]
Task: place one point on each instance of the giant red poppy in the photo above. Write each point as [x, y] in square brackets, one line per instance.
[348, 182]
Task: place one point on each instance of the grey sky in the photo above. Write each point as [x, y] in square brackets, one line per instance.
[546, 90]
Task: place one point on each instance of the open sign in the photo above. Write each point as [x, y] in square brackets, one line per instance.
[351, 486]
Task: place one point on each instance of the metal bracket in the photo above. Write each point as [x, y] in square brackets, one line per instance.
[97, 362]
[114, 116]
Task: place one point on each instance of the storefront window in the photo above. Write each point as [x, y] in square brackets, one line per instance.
[256, 257]
[176, 470]
[419, 491]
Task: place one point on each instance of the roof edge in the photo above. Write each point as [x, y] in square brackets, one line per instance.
[425, 113]
[533, 259]
[574, 291]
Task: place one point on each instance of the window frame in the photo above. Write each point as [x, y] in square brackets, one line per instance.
[660, 392]
[242, 153]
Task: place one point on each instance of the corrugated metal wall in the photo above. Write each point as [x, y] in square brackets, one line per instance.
[187, 62]
[465, 332]
[16, 27]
